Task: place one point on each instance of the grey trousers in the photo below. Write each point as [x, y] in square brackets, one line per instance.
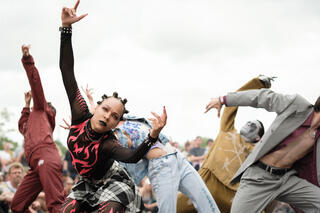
[258, 188]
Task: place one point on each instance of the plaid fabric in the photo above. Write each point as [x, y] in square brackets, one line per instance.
[116, 185]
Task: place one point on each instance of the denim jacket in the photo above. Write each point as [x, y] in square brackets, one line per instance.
[132, 126]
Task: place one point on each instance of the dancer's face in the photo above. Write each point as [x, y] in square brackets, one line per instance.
[107, 115]
[251, 131]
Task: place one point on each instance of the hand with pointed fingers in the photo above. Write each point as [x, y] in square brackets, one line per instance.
[67, 125]
[25, 50]
[158, 123]
[266, 80]
[88, 91]
[69, 15]
[214, 103]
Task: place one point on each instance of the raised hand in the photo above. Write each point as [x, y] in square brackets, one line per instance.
[267, 80]
[25, 50]
[27, 98]
[89, 93]
[214, 103]
[69, 16]
[158, 123]
[67, 125]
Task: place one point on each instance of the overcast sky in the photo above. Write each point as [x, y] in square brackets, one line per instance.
[177, 53]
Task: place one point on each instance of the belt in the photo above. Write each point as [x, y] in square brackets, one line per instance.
[271, 169]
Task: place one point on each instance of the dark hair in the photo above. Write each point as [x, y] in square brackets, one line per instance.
[210, 140]
[52, 107]
[317, 105]
[115, 95]
[261, 130]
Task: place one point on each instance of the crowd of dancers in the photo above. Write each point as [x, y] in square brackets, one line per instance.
[112, 152]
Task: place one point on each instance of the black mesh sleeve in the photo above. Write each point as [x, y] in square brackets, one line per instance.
[126, 155]
[79, 108]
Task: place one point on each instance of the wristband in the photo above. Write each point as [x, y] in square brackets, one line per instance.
[221, 100]
[66, 30]
[150, 141]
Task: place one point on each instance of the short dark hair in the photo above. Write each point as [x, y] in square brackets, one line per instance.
[317, 105]
[261, 130]
[52, 107]
[115, 95]
[210, 140]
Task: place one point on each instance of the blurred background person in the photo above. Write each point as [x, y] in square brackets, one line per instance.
[6, 156]
[197, 153]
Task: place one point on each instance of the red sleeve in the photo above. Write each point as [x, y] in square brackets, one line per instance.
[23, 119]
[39, 101]
[224, 100]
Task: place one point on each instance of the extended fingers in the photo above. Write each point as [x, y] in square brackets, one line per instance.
[68, 125]
[152, 120]
[76, 5]
[156, 115]
[63, 126]
[82, 16]
[164, 114]
[219, 109]
[208, 107]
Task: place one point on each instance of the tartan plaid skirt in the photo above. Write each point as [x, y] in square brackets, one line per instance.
[116, 185]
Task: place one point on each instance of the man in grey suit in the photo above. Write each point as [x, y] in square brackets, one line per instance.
[285, 163]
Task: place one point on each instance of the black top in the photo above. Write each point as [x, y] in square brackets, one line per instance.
[92, 153]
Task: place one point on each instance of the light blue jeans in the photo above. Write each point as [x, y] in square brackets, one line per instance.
[173, 172]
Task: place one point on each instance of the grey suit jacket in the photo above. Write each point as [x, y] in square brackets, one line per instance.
[292, 111]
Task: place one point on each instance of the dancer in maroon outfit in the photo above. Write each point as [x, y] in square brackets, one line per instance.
[45, 163]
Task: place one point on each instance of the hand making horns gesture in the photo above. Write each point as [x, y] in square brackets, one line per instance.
[69, 16]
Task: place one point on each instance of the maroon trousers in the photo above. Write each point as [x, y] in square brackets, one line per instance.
[45, 174]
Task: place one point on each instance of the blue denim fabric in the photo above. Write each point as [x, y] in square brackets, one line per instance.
[131, 125]
[167, 174]
[172, 173]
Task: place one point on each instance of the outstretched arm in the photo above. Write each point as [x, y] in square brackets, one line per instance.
[132, 156]
[39, 100]
[262, 98]
[245, 98]
[229, 113]
[79, 108]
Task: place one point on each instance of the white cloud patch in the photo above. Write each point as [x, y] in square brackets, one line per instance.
[175, 53]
